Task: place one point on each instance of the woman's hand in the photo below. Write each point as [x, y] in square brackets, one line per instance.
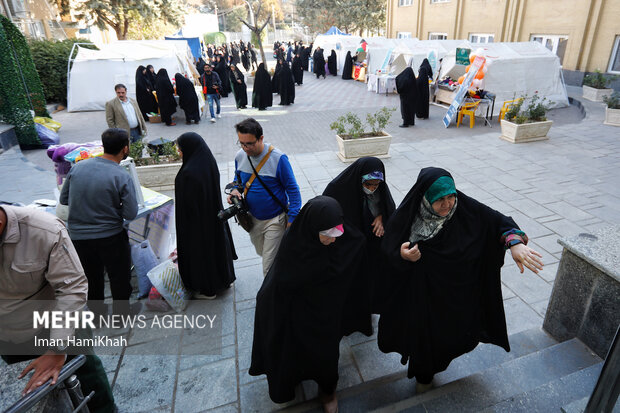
[408, 254]
[377, 226]
[525, 256]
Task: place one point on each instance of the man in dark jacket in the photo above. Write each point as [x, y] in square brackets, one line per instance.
[211, 85]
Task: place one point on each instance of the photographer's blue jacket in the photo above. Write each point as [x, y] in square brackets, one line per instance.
[278, 175]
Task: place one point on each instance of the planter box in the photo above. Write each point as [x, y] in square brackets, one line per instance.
[612, 117]
[595, 95]
[158, 177]
[527, 132]
[351, 149]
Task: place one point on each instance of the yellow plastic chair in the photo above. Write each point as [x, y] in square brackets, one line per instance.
[505, 108]
[469, 109]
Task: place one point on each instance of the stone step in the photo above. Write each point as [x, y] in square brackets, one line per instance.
[395, 387]
[579, 406]
[511, 379]
[553, 395]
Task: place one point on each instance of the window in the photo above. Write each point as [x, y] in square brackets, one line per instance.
[403, 35]
[481, 38]
[437, 36]
[553, 42]
[36, 29]
[439, 1]
[405, 3]
[614, 62]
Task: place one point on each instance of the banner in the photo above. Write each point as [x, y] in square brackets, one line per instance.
[462, 56]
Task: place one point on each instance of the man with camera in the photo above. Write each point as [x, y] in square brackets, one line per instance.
[267, 185]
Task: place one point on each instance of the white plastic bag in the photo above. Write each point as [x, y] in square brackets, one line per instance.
[167, 280]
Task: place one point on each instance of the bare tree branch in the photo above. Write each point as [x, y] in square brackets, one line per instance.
[265, 24]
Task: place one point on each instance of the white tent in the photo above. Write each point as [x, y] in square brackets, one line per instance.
[341, 44]
[516, 69]
[94, 73]
[378, 49]
[414, 51]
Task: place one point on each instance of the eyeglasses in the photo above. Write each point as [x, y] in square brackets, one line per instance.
[246, 144]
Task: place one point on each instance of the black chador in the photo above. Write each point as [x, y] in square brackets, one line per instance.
[287, 85]
[275, 80]
[360, 210]
[262, 96]
[221, 68]
[144, 96]
[188, 100]
[424, 74]
[204, 242]
[299, 308]
[332, 63]
[408, 90]
[298, 71]
[347, 70]
[319, 63]
[239, 89]
[165, 96]
[448, 301]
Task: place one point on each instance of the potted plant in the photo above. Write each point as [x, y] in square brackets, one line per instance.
[529, 124]
[355, 140]
[612, 112]
[595, 86]
[156, 165]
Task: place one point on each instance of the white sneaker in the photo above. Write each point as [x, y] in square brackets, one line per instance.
[204, 297]
[219, 116]
[212, 120]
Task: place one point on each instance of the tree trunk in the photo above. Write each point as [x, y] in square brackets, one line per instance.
[262, 52]
[118, 31]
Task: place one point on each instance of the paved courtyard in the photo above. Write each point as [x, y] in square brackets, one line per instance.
[556, 188]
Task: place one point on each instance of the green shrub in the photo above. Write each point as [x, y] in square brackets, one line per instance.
[377, 123]
[535, 111]
[20, 87]
[51, 58]
[598, 80]
[612, 101]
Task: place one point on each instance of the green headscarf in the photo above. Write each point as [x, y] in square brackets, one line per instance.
[443, 186]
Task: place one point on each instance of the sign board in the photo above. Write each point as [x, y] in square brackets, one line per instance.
[460, 94]
[432, 60]
[386, 61]
[462, 56]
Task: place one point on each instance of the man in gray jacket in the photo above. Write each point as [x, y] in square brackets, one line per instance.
[124, 113]
[100, 196]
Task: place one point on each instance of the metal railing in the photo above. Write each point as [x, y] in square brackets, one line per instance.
[605, 393]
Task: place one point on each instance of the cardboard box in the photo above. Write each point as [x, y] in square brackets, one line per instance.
[154, 119]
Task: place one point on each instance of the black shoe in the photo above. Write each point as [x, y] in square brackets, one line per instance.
[404, 125]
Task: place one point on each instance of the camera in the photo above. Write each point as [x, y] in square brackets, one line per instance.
[237, 206]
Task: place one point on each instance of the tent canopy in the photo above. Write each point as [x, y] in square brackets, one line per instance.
[517, 69]
[95, 72]
[341, 44]
[193, 43]
[334, 30]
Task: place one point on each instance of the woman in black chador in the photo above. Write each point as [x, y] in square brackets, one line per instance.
[319, 63]
[188, 100]
[298, 71]
[144, 96]
[287, 85]
[165, 97]
[262, 97]
[299, 308]
[425, 73]
[447, 250]
[347, 70]
[239, 89]
[221, 68]
[367, 203]
[151, 76]
[275, 80]
[305, 56]
[332, 63]
[204, 243]
[200, 66]
[408, 90]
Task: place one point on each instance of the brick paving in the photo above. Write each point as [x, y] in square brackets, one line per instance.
[555, 188]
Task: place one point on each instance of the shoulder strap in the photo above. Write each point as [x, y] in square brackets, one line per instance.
[260, 165]
[284, 207]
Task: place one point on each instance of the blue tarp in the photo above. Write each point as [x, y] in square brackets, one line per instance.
[335, 30]
[193, 42]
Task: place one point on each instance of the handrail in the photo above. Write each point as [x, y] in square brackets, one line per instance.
[605, 393]
[28, 401]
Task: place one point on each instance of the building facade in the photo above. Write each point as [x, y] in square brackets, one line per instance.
[37, 19]
[585, 34]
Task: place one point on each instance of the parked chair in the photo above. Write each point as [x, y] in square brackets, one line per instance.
[469, 109]
[505, 108]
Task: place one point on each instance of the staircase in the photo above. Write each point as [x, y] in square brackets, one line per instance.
[538, 375]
